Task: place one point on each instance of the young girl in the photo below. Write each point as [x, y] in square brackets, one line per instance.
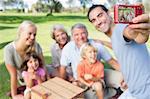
[91, 71]
[33, 73]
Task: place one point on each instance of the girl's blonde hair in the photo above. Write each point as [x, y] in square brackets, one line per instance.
[84, 49]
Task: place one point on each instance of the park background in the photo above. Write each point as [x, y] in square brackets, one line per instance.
[46, 13]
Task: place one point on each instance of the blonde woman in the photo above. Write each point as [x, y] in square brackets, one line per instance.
[15, 52]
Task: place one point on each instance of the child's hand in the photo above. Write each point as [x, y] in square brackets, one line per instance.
[75, 83]
[31, 69]
[35, 76]
[90, 84]
[88, 76]
[124, 85]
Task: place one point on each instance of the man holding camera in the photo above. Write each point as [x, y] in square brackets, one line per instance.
[128, 42]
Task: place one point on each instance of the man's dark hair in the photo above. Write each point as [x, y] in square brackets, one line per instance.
[95, 6]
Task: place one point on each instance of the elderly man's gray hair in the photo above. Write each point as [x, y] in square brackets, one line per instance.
[79, 26]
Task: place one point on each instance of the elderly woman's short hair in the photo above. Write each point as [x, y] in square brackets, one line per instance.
[57, 27]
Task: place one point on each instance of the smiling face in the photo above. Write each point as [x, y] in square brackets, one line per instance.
[80, 36]
[28, 34]
[90, 54]
[61, 37]
[33, 64]
[100, 19]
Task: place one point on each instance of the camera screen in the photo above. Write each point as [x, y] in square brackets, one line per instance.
[125, 14]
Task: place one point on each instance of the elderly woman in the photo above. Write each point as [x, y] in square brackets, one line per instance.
[59, 34]
[15, 52]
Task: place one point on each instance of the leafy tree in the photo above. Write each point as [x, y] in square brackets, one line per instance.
[84, 3]
[6, 2]
[18, 4]
[57, 7]
[54, 5]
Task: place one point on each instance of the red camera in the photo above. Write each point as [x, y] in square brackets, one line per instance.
[125, 13]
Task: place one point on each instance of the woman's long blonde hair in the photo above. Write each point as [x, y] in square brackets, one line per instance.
[21, 27]
[24, 24]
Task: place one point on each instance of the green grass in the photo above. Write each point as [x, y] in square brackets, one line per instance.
[8, 32]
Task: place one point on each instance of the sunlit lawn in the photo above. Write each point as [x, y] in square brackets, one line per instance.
[8, 32]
